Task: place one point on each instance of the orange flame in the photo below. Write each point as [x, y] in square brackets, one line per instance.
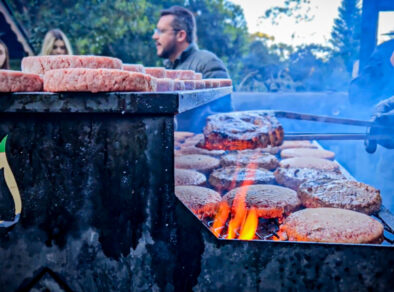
[220, 218]
[250, 226]
[239, 203]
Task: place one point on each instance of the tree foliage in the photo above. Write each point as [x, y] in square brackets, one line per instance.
[345, 36]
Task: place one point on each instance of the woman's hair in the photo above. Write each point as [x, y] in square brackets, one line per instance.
[49, 40]
[6, 64]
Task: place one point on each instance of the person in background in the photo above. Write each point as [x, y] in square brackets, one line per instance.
[175, 39]
[376, 79]
[4, 56]
[56, 43]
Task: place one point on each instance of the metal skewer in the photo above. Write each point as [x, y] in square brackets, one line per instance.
[333, 136]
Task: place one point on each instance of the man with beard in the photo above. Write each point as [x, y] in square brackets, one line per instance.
[175, 39]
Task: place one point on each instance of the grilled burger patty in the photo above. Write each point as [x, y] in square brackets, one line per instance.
[269, 200]
[202, 201]
[187, 177]
[294, 177]
[253, 158]
[332, 225]
[242, 130]
[227, 178]
[307, 152]
[345, 194]
[297, 144]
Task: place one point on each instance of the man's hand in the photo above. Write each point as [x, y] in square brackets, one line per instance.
[383, 117]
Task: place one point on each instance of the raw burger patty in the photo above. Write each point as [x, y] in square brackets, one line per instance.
[253, 158]
[134, 68]
[202, 201]
[332, 225]
[42, 64]
[345, 194]
[203, 163]
[294, 177]
[14, 81]
[269, 200]
[307, 152]
[158, 72]
[186, 177]
[309, 162]
[227, 178]
[97, 80]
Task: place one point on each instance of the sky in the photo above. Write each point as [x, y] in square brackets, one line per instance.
[316, 31]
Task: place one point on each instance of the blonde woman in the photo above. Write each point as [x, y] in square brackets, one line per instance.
[56, 43]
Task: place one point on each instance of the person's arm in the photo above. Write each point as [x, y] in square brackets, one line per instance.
[383, 116]
[213, 67]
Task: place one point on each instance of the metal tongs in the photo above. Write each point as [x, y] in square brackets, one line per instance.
[328, 119]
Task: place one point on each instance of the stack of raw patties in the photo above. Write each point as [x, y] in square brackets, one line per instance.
[296, 182]
[98, 74]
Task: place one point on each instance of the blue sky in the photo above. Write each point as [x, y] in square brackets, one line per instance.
[315, 31]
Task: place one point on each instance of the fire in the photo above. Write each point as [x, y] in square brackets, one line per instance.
[220, 218]
[249, 228]
[241, 221]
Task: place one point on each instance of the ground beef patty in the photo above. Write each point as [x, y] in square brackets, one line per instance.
[16, 81]
[244, 158]
[309, 162]
[269, 200]
[42, 64]
[345, 194]
[189, 149]
[97, 80]
[332, 225]
[227, 178]
[202, 201]
[181, 136]
[242, 130]
[297, 144]
[294, 177]
[134, 68]
[203, 163]
[307, 152]
[187, 177]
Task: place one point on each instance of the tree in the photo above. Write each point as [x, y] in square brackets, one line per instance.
[345, 36]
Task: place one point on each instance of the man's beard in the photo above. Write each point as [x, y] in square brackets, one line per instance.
[168, 51]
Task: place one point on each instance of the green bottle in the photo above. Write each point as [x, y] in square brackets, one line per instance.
[11, 184]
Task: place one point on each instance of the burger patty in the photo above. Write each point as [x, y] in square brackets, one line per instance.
[181, 136]
[16, 81]
[242, 130]
[345, 194]
[42, 64]
[269, 200]
[307, 152]
[309, 162]
[187, 177]
[227, 178]
[332, 225]
[203, 163]
[202, 201]
[244, 158]
[294, 177]
[97, 80]
[297, 144]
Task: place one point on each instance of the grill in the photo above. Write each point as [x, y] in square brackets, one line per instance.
[95, 173]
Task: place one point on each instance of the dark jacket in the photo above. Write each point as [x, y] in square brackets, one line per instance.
[201, 61]
[210, 66]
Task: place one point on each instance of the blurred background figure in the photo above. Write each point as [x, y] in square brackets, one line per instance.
[4, 56]
[56, 43]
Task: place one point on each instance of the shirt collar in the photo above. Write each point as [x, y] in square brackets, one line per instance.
[182, 57]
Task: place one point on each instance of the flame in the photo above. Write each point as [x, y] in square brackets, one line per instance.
[220, 218]
[239, 203]
[249, 228]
